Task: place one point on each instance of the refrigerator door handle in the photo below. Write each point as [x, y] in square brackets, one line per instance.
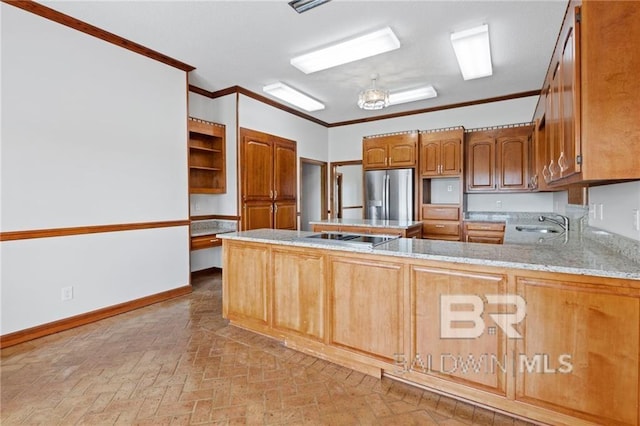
[409, 198]
[383, 213]
[386, 190]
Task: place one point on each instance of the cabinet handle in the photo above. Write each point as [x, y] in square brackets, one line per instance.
[271, 194]
[275, 194]
[562, 162]
[551, 169]
[439, 226]
[275, 208]
[390, 160]
[214, 240]
[545, 174]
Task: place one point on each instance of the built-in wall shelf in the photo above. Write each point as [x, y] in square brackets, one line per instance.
[207, 173]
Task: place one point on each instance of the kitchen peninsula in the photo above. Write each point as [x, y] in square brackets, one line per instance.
[566, 355]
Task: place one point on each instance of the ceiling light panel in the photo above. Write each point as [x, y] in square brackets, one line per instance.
[365, 46]
[473, 52]
[293, 97]
[412, 95]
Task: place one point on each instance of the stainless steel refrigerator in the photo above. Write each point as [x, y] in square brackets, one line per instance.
[388, 194]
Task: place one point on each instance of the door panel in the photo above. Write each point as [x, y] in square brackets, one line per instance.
[257, 215]
[285, 215]
[285, 174]
[257, 168]
[481, 165]
[450, 157]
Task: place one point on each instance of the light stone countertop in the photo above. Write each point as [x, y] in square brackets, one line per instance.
[212, 227]
[567, 253]
[369, 223]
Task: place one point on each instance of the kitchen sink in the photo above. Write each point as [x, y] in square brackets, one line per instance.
[540, 229]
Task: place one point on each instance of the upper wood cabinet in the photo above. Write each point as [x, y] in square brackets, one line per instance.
[269, 181]
[498, 159]
[441, 153]
[390, 151]
[207, 173]
[589, 106]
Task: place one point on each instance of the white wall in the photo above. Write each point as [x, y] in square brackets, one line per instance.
[310, 195]
[519, 202]
[92, 134]
[615, 208]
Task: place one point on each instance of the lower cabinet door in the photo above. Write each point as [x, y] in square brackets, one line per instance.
[298, 292]
[579, 352]
[366, 306]
[245, 280]
[453, 337]
[285, 215]
[257, 215]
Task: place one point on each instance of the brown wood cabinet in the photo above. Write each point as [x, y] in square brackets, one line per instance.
[498, 159]
[299, 306]
[390, 151]
[441, 222]
[414, 231]
[465, 360]
[573, 356]
[589, 104]
[595, 328]
[205, 241]
[246, 300]
[484, 232]
[440, 153]
[269, 181]
[366, 306]
[207, 160]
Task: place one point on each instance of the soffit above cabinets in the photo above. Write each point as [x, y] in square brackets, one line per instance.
[250, 44]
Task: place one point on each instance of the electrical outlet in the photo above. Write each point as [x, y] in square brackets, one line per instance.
[449, 188]
[593, 212]
[636, 219]
[601, 211]
[196, 206]
[67, 293]
[499, 204]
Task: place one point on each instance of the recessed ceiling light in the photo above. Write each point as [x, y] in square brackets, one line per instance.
[412, 95]
[371, 44]
[293, 97]
[304, 5]
[473, 52]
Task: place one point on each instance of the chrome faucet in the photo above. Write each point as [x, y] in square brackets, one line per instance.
[564, 224]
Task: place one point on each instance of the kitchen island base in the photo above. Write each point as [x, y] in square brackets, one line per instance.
[573, 359]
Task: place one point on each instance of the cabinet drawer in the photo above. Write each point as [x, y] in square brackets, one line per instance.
[205, 241]
[440, 212]
[484, 226]
[440, 228]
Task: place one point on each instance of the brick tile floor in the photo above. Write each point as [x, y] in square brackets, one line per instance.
[178, 362]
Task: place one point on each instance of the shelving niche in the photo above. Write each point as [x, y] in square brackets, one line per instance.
[207, 159]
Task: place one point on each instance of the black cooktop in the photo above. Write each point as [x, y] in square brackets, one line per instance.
[349, 239]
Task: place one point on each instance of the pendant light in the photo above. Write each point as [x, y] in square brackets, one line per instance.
[373, 98]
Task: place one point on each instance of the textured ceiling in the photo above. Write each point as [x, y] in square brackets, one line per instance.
[250, 43]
